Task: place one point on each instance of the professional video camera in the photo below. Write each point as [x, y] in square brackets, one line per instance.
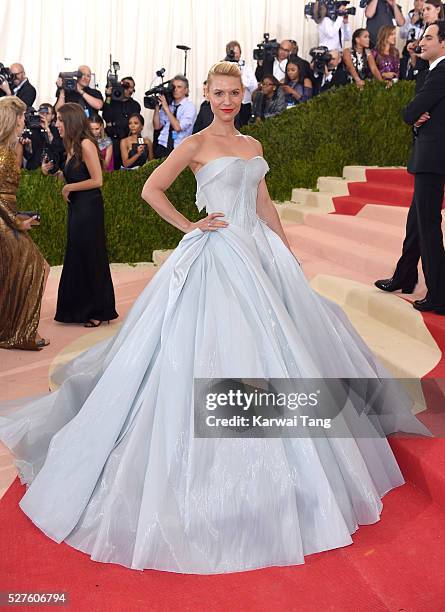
[117, 89]
[69, 80]
[6, 75]
[328, 8]
[32, 122]
[321, 58]
[151, 97]
[266, 50]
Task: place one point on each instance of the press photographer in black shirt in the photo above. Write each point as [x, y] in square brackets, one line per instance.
[45, 141]
[90, 100]
[116, 114]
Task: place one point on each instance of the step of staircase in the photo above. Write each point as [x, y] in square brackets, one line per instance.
[382, 192]
[390, 327]
[370, 261]
[315, 199]
[160, 255]
[423, 464]
[390, 215]
[391, 176]
[333, 185]
[368, 231]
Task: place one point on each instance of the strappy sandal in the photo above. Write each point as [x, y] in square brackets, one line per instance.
[92, 323]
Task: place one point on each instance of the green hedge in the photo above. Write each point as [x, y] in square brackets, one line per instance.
[339, 128]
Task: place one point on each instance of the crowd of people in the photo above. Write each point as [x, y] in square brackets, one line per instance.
[280, 81]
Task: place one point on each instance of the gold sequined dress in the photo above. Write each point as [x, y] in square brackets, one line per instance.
[22, 267]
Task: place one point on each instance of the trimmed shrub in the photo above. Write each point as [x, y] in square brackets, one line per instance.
[338, 128]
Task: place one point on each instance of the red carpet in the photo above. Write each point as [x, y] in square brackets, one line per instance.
[391, 187]
[396, 564]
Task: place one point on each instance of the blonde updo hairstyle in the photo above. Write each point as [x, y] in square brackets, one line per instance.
[10, 109]
[225, 69]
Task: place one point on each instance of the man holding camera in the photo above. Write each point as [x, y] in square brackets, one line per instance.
[21, 87]
[332, 33]
[44, 141]
[381, 13]
[89, 99]
[233, 54]
[116, 112]
[174, 120]
[333, 74]
[277, 65]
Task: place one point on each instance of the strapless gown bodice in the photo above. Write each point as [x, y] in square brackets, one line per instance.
[229, 185]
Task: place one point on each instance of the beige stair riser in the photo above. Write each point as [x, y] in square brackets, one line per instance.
[367, 232]
[333, 185]
[373, 263]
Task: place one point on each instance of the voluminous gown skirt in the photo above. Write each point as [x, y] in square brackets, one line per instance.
[111, 460]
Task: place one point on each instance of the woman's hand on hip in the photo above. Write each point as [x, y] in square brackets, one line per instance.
[209, 223]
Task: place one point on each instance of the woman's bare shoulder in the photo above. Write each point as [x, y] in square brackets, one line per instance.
[256, 144]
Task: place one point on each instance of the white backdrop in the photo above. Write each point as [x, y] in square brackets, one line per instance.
[142, 35]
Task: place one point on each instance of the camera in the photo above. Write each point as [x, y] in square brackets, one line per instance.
[117, 89]
[69, 80]
[230, 57]
[151, 97]
[266, 50]
[32, 119]
[6, 75]
[321, 58]
[328, 8]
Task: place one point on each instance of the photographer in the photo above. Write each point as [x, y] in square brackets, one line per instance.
[380, 13]
[21, 87]
[275, 66]
[333, 33]
[334, 73]
[174, 120]
[89, 99]
[413, 27]
[45, 141]
[233, 54]
[415, 67]
[116, 114]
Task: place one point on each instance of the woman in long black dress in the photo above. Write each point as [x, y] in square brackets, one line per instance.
[86, 293]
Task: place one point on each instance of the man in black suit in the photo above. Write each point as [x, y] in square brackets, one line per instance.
[22, 88]
[426, 112]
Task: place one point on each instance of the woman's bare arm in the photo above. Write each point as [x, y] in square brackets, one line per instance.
[161, 179]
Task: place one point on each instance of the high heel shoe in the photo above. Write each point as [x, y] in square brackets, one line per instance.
[91, 323]
[389, 284]
[37, 345]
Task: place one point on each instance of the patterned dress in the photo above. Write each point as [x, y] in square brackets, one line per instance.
[22, 267]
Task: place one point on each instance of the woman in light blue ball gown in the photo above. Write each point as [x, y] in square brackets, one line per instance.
[111, 460]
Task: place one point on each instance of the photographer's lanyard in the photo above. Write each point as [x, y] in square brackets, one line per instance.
[171, 132]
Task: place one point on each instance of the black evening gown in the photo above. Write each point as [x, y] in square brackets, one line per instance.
[85, 289]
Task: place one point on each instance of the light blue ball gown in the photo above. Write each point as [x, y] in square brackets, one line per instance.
[111, 460]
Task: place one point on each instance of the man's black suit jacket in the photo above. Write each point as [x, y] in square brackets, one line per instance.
[27, 94]
[428, 153]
